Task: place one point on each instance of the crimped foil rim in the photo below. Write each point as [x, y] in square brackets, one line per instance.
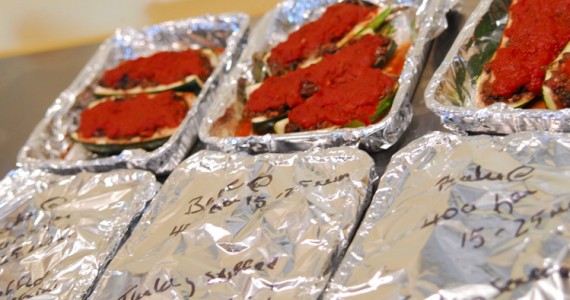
[475, 116]
[136, 158]
[371, 134]
[398, 172]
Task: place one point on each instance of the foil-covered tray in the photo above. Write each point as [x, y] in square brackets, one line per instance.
[426, 19]
[452, 90]
[465, 218]
[50, 146]
[235, 226]
[58, 232]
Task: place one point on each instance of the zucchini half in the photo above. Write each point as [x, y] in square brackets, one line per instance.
[521, 98]
[108, 146]
[553, 100]
[369, 26]
[191, 83]
[280, 123]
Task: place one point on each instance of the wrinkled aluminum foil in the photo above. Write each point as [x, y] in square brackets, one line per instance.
[452, 89]
[58, 232]
[50, 141]
[466, 218]
[424, 21]
[244, 227]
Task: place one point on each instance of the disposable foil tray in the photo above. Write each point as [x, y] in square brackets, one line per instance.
[58, 232]
[452, 89]
[50, 146]
[423, 21]
[465, 218]
[235, 226]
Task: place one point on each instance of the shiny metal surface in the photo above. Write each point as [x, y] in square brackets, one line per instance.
[22, 105]
[50, 147]
[452, 90]
[235, 226]
[424, 21]
[465, 218]
[57, 232]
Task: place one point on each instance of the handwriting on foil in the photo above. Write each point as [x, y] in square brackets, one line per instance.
[160, 286]
[48, 226]
[187, 287]
[476, 173]
[26, 287]
[257, 200]
[225, 275]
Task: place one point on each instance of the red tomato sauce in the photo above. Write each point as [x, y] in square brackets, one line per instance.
[332, 26]
[396, 64]
[353, 98]
[160, 68]
[140, 115]
[244, 127]
[345, 64]
[539, 31]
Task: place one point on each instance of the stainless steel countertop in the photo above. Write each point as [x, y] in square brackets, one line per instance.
[30, 83]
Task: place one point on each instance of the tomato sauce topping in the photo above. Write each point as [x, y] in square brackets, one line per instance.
[160, 68]
[355, 97]
[332, 26]
[139, 115]
[539, 31]
[276, 92]
[244, 127]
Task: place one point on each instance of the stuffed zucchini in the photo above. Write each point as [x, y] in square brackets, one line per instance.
[535, 33]
[183, 71]
[146, 121]
[351, 84]
[334, 29]
[341, 88]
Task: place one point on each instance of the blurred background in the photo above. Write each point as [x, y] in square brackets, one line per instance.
[41, 25]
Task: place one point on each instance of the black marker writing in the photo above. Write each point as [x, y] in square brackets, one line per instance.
[518, 174]
[227, 274]
[160, 286]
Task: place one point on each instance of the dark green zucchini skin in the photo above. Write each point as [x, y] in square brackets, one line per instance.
[383, 106]
[110, 149]
[193, 85]
[106, 146]
[267, 126]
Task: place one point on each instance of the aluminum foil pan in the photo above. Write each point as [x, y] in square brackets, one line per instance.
[466, 218]
[426, 19]
[452, 89]
[50, 140]
[58, 232]
[244, 227]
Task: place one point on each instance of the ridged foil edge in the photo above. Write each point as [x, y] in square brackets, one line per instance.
[21, 186]
[431, 22]
[245, 166]
[161, 160]
[419, 154]
[497, 118]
